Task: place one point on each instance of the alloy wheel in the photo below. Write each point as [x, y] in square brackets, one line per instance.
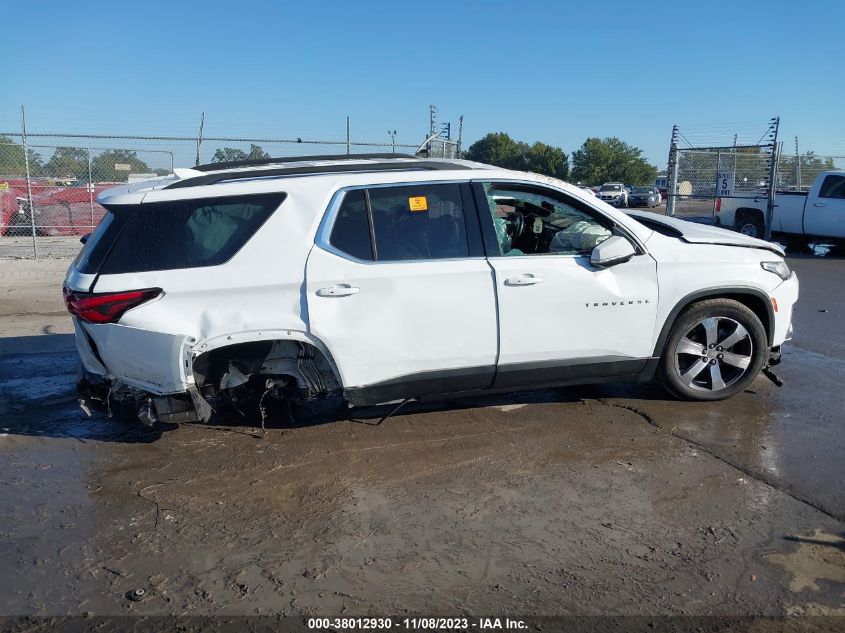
[714, 354]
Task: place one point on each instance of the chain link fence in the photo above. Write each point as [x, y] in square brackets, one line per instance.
[700, 177]
[49, 182]
[797, 172]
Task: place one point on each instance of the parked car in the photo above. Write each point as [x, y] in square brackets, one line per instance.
[385, 279]
[614, 193]
[644, 197]
[817, 214]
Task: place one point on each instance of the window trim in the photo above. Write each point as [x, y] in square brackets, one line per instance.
[491, 244]
[324, 230]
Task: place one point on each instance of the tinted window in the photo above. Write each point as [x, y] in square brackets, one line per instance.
[418, 222]
[833, 187]
[351, 230]
[185, 233]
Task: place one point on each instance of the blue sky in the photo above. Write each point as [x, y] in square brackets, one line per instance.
[552, 71]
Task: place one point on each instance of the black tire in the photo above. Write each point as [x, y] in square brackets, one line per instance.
[751, 225]
[687, 374]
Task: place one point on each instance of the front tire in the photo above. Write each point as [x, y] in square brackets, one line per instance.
[715, 350]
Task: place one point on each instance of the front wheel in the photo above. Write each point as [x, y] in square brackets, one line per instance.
[715, 350]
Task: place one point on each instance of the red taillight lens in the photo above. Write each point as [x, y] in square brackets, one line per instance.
[718, 205]
[106, 307]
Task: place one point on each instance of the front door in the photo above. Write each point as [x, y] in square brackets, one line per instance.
[401, 294]
[561, 318]
[825, 214]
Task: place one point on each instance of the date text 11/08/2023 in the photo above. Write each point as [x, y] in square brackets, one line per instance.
[416, 624]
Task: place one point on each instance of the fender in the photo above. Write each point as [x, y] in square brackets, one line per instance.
[715, 293]
[225, 340]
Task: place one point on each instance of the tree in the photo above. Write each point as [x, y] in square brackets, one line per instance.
[232, 154]
[68, 161]
[811, 167]
[611, 160]
[498, 148]
[12, 161]
[104, 167]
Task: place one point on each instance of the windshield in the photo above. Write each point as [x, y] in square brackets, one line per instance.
[611, 188]
[642, 190]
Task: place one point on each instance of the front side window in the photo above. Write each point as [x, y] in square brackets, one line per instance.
[535, 221]
[422, 221]
[833, 187]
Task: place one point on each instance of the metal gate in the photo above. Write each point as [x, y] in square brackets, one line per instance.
[701, 177]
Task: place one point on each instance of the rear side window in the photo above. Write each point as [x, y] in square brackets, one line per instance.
[418, 222]
[178, 234]
[351, 230]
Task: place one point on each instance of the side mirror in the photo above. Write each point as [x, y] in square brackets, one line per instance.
[614, 250]
[84, 238]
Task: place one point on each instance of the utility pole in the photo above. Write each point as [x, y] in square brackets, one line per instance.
[460, 133]
[199, 139]
[348, 138]
[392, 139]
[797, 165]
[773, 172]
[28, 183]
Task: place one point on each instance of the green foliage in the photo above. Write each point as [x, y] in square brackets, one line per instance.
[497, 148]
[103, 166]
[69, 162]
[611, 160]
[12, 161]
[231, 154]
[811, 167]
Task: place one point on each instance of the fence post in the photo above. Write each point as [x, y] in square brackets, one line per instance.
[673, 180]
[348, 139]
[90, 189]
[718, 167]
[28, 184]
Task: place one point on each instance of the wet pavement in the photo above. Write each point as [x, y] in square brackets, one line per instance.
[591, 500]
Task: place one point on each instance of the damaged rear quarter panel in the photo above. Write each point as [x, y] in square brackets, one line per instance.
[259, 290]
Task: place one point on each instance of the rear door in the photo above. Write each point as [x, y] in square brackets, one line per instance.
[824, 214]
[400, 292]
[560, 318]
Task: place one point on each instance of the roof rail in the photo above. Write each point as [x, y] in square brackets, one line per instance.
[256, 162]
[312, 170]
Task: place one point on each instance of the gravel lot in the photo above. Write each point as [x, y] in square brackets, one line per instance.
[590, 500]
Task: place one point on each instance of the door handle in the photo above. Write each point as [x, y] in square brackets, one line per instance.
[818, 204]
[340, 290]
[523, 280]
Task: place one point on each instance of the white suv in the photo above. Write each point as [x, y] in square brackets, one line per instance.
[386, 279]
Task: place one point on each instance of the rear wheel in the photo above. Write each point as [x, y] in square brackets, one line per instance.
[715, 349]
[750, 225]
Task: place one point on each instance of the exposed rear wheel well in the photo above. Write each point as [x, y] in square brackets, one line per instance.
[308, 371]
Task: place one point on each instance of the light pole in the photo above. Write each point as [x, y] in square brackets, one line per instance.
[392, 139]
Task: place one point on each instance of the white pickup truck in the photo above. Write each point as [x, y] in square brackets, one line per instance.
[817, 214]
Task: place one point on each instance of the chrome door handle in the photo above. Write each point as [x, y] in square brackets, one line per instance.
[818, 204]
[523, 280]
[340, 290]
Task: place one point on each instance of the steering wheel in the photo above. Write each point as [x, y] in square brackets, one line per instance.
[516, 223]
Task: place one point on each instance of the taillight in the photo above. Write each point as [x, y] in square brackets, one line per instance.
[105, 307]
[718, 205]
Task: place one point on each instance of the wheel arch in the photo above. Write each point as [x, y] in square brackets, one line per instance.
[243, 340]
[748, 212]
[752, 298]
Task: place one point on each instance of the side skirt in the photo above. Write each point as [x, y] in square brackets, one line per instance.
[484, 380]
